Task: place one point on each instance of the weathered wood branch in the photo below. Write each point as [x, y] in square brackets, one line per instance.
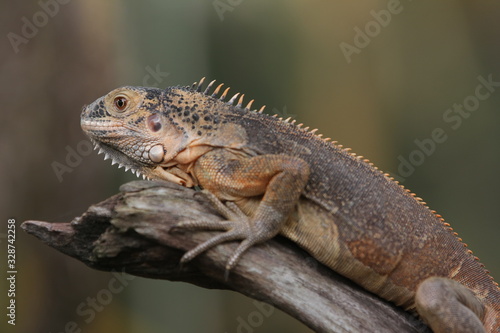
[131, 232]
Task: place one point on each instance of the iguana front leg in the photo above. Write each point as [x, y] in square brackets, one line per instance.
[232, 177]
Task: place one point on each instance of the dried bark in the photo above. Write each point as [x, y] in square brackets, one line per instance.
[131, 231]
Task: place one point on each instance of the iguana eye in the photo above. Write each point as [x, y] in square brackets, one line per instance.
[154, 122]
[121, 103]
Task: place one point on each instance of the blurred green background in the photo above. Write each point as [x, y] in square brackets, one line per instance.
[376, 91]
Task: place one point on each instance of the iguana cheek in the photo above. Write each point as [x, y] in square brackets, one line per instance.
[156, 153]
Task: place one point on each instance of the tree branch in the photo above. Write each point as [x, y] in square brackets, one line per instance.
[130, 232]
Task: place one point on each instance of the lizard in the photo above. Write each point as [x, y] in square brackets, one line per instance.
[268, 176]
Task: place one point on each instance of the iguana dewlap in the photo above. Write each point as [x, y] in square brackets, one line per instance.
[269, 176]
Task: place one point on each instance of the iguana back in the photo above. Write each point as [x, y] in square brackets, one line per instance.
[378, 223]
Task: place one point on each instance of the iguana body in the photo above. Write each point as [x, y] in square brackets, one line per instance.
[278, 178]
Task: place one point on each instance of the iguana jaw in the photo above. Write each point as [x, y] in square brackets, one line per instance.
[119, 158]
[171, 174]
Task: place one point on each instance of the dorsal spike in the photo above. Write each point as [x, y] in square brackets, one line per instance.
[287, 119]
[193, 86]
[275, 116]
[223, 96]
[231, 101]
[240, 101]
[249, 105]
[306, 128]
[314, 130]
[209, 87]
[198, 89]
[293, 121]
[262, 109]
[216, 91]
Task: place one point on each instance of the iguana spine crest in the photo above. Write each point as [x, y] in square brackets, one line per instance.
[198, 87]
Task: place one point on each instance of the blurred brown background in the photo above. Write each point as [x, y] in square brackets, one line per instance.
[378, 76]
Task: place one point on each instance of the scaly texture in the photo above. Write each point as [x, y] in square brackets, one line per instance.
[267, 176]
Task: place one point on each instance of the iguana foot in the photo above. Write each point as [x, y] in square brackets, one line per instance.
[238, 226]
[448, 306]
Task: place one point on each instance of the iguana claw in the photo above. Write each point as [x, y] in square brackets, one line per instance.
[238, 226]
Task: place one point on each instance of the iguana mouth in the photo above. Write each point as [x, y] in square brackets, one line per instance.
[99, 125]
[118, 157]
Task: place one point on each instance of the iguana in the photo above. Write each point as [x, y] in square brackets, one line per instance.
[269, 176]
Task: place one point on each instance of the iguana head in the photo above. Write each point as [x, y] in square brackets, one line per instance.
[160, 133]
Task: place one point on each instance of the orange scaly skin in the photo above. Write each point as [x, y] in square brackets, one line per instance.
[268, 176]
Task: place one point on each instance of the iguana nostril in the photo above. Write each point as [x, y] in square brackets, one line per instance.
[156, 153]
